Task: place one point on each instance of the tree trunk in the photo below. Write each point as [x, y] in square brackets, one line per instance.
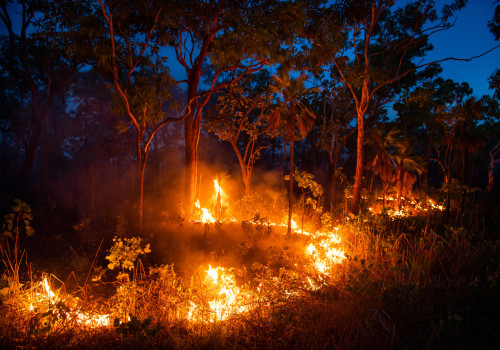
[245, 173]
[426, 175]
[401, 175]
[141, 170]
[358, 179]
[332, 179]
[191, 163]
[92, 189]
[283, 166]
[290, 187]
[30, 151]
[47, 189]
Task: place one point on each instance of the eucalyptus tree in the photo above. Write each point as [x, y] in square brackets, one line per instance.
[294, 115]
[217, 43]
[39, 61]
[491, 130]
[118, 39]
[240, 118]
[370, 45]
[336, 129]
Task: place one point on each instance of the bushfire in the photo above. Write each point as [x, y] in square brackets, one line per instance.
[220, 296]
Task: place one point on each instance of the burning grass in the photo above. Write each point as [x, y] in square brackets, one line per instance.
[373, 281]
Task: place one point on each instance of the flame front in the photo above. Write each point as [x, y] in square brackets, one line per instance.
[227, 298]
[48, 298]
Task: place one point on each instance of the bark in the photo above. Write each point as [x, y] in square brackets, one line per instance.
[31, 150]
[358, 179]
[92, 189]
[401, 174]
[245, 173]
[290, 187]
[191, 162]
[491, 167]
[332, 179]
[47, 189]
[283, 166]
[141, 171]
[426, 174]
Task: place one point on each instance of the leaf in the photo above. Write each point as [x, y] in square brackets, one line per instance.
[30, 231]
[8, 234]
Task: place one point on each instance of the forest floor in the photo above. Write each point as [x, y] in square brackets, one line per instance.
[401, 283]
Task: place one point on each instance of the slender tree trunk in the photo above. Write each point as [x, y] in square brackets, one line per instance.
[245, 173]
[191, 161]
[141, 170]
[358, 179]
[426, 175]
[290, 187]
[31, 150]
[332, 179]
[401, 175]
[92, 188]
[47, 124]
[465, 156]
[283, 166]
[491, 167]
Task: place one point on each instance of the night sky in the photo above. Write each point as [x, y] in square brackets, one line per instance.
[469, 37]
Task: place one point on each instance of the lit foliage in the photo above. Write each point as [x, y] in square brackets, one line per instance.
[19, 217]
[125, 251]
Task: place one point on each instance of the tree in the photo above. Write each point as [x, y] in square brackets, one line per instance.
[44, 68]
[117, 39]
[406, 164]
[91, 135]
[369, 46]
[295, 116]
[221, 41]
[494, 25]
[335, 129]
[383, 163]
[140, 78]
[239, 117]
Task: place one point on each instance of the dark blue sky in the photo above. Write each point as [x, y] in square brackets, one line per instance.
[469, 37]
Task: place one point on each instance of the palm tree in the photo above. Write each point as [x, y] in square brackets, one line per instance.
[383, 163]
[293, 114]
[406, 164]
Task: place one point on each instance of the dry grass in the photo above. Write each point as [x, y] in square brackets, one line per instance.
[402, 285]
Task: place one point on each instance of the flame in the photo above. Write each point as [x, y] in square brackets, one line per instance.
[214, 215]
[48, 297]
[205, 215]
[326, 252]
[227, 298]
